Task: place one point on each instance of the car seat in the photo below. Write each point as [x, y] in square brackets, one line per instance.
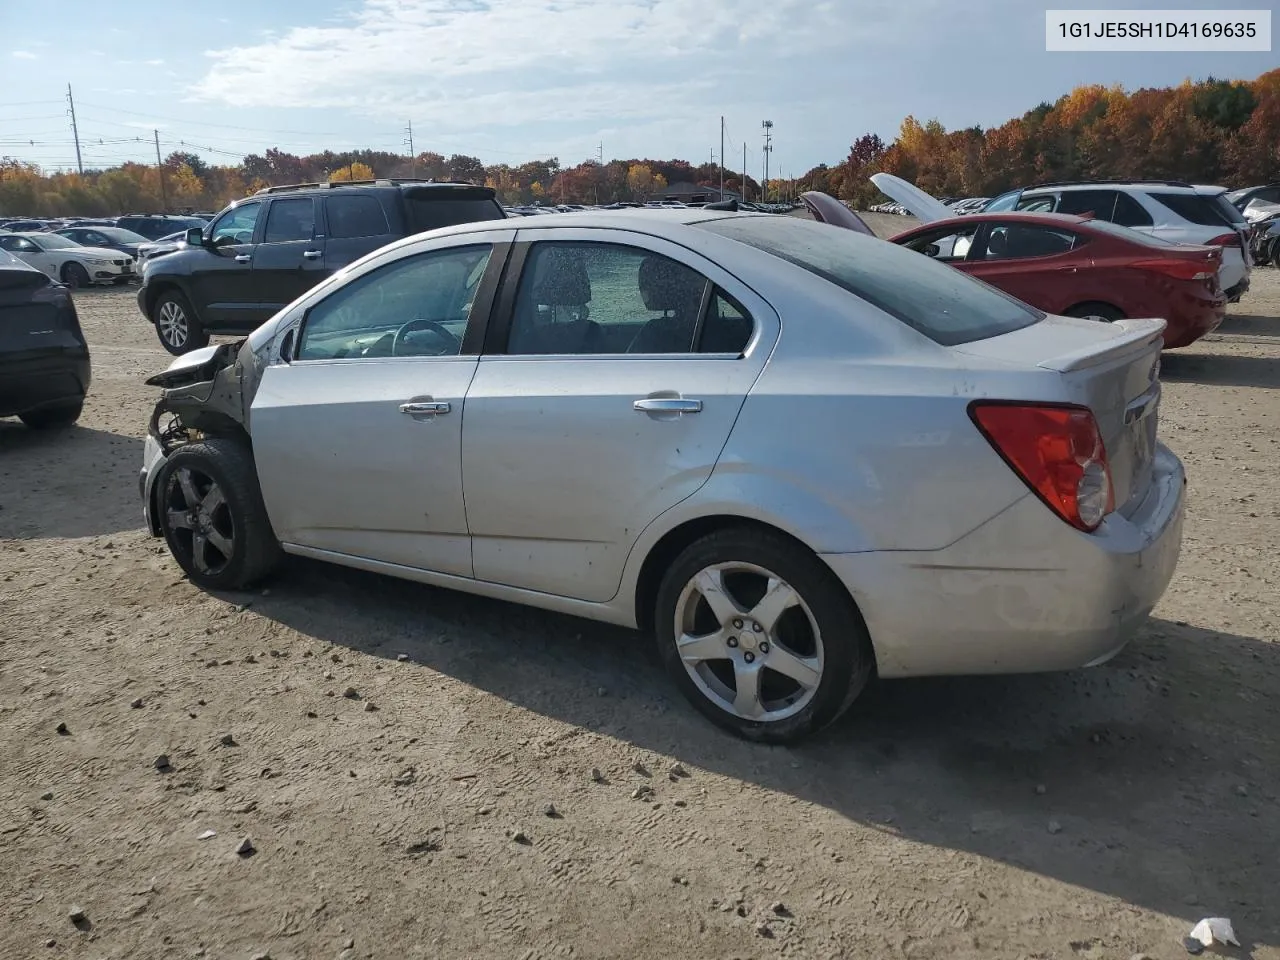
[560, 283]
[675, 290]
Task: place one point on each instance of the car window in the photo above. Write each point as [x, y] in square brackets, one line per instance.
[944, 304]
[91, 238]
[417, 306]
[727, 327]
[1130, 213]
[18, 245]
[952, 243]
[1038, 204]
[1100, 203]
[355, 216]
[1192, 207]
[237, 224]
[602, 298]
[292, 219]
[1013, 241]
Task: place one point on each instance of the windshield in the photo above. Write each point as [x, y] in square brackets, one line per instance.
[946, 305]
[51, 241]
[120, 235]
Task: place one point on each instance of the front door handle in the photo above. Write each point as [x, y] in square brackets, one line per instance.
[243, 257]
[312, 254]
[667, 405]
[425, 408]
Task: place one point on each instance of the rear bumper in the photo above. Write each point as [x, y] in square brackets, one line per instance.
[1025, 592]
[42, 379]
[1193, 318]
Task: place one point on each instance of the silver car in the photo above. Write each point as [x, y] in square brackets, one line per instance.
[797, 455]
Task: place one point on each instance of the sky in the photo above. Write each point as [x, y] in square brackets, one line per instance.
[514, 80]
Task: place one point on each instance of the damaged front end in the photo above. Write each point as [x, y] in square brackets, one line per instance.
[205, 393]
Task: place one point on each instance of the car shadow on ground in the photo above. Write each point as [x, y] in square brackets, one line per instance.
[1220, 370]
[67, 482]
[1249, 325]
[1126, 779]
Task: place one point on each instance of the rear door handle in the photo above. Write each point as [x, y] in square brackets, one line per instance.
[243, 257]
[311, 254]
[425, 408]
[667, 405]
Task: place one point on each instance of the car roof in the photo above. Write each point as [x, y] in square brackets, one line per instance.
[649, 220]
[1044, 219]
[1176, 186]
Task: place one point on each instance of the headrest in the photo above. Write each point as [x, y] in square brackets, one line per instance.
[998, 243]
[667, 285]
[561, 278]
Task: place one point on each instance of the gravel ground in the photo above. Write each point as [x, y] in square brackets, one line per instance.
[1095, 814]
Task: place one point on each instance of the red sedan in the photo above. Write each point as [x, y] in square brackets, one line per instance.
[1072, 266]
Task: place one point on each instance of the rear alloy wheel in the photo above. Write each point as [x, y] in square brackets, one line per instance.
[50, 418]
[75, 275]
[212, 515]
[176, 325]
[760, 635]
[1102, 312]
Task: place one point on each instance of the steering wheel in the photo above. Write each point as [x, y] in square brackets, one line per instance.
[435, 326]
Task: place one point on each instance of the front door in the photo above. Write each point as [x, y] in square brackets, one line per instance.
[221, 273]
[606, 401]
[1027, 261]
[358, 438]
[290, 259]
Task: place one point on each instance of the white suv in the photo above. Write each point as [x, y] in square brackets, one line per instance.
[1169, 209]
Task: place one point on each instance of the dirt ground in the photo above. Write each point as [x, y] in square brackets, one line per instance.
[1095, 814]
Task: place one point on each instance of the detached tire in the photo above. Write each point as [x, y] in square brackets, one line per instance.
[176, 324]
[212, 516]
[760, 635]
[1102, 312]
[50, 418]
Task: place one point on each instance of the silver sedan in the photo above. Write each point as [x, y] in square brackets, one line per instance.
[797, 455]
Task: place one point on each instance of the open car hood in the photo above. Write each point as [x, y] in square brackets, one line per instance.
[924, 207]
[1258, 210]
[827, 209]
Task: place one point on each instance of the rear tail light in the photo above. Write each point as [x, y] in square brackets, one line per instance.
[1179, 269]
[1057, 450]
[1226, 240]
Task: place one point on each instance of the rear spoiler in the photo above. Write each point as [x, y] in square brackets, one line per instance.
[1135, 336]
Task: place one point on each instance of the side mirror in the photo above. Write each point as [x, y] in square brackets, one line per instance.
[195, 237]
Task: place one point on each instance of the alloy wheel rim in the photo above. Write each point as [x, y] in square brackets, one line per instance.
[749, 642]
[173, 324]
[197, 512]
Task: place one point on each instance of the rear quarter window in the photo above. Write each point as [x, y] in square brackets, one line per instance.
[1194, 208]
[941, 302]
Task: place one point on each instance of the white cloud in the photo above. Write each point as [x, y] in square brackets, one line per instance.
[154, 63]
[478, 63]
[25, 55]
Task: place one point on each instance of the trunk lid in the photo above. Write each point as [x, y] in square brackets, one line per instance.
[1113, 369]
[35, 312]
[920, 204]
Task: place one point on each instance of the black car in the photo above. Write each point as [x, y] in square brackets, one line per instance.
[153, 226]
[109, 238]
[44, 360]
[265, 251]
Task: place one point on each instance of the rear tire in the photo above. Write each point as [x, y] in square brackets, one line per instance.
[716, 624]
[1102, 312]
[176, 324]
[210, 510]
[50, 418]
[75, 276]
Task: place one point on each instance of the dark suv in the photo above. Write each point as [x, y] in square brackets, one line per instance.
[265, 251]
[153, 226]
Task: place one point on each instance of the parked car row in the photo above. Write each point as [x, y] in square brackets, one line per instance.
[151, 226]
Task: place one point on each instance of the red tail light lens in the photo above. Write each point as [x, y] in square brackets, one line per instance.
[1057, 450]
[1226, 240]
[1179, 269]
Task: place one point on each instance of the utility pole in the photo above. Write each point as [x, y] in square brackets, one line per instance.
[722, 156]
[413, 157]
[164, 194]
[75, 133]
[744, 169]
[768, 148]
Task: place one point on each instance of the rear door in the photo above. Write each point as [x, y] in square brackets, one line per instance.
[1031, 262]
[616, 368]
[290, 259]
[356, 223]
